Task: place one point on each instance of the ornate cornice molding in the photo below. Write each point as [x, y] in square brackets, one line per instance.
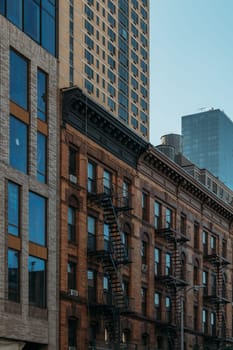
[179, 177]
[92, 120]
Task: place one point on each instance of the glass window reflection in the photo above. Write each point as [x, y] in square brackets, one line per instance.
[37, 218]
[13, 209]
[41, 157]
[37, 282]
[14, 12]
[32, 19]
[41, 95]
[18, 79]
[13, 275]
[18, 144]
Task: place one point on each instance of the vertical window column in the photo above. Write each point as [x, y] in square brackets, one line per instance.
[42, 127]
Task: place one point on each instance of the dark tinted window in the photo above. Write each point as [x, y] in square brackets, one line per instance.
[13, 275]
[41, 95]
[14, 12]
[37, 282]
[32, 19]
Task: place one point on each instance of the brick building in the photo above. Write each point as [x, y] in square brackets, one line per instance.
[140, 241]
[28, 178]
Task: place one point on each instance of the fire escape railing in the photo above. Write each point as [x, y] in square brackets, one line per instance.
[113, 254]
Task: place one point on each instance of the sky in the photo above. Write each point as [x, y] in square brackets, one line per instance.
[191, 61]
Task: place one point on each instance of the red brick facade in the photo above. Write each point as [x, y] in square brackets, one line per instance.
[127, 268]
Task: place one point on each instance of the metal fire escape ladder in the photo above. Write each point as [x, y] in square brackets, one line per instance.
[112, 260]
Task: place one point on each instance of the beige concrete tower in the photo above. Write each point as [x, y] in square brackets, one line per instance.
[104, 50]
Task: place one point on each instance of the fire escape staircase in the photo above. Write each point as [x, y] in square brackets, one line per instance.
[218, 298]
[174, 281]
[112, 259]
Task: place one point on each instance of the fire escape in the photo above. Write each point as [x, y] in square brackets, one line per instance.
[216, 298]
[112, 255]
[172, 277]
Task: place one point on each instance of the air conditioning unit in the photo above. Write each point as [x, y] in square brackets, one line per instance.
[144, 268]
[72, 348]
[73, 179]
[73, 293]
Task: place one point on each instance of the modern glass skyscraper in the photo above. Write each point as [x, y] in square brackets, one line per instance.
[104, 50]
[208, 143]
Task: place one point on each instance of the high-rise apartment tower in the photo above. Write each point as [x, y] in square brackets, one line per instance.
[104, 50]
[208, 143]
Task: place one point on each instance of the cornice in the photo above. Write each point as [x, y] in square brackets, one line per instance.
[181, 178]
[92, 120]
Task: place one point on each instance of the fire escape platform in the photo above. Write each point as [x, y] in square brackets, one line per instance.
[172, 281]
[172, 235]
[216, 259]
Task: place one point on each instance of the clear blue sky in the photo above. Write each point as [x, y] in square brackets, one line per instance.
[191, 67]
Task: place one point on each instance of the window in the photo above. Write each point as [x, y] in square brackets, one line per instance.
[143, 129]
[71, 272]
[13, 208]
[205, 282]
[89, 27]
[32, 19]
[41, 95]
[205, 321]
[196, 235]
[213, 282]
[168, 309]
[18, 144]
[73, 164]
[157, 257]
[196, 273]
[213, 323]
[168, 261]
[126, 193]
[106, 237]
[144, 253]
[107, 181]
[14, 12]
[37, 219]
[91, 227]
[157, 215]
[13, 275]
[72, 332]
[41, 157]
[157, 304]
[37, 281]
[213, 244]
[134, 122]
[71, 224]
[18, 79]
[143, 300]
[89, 57]
[183, 224]
[168, 218]
[111, 104]
[205, 242]
[91, 276]
[224, 248]
[89, 86]
[145, 206]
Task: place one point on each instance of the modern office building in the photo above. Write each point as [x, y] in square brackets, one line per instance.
[145, 248]
[208, 143]
[28, 176]
[104, 50]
